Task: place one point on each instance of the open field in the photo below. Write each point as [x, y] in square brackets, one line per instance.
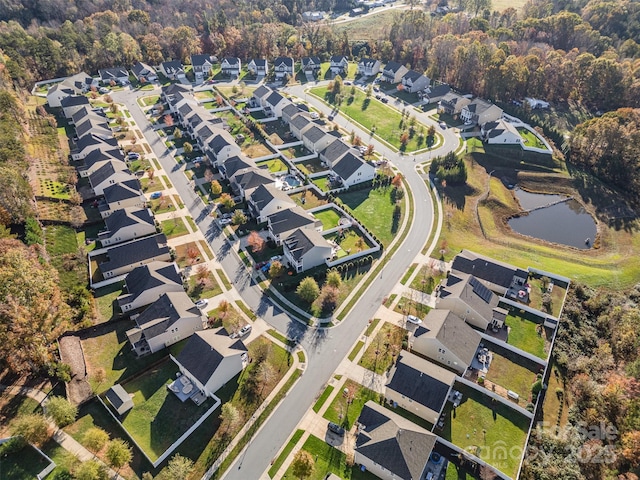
[605, 265]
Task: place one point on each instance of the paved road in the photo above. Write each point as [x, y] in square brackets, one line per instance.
[326, 347]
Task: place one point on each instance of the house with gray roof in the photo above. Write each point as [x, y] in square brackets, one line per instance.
[166, 321]
[289, 111]
[235, 164]
[221, 147]
[258, 67]
[414, 82]
[352, 169]
[231, 66]
[202, 65]
[311, 65]
[96, 157]
[211, 358]
[109, 173]
[123, 258]
[452, 103]
[283, 66]
[119, 399]
[145, 284]
[298, 122]
[306, 248]
[145, 72]
[117, 75]
[501, 132]
[338, 64]
[479, 112]
[316, 138]
[497, 276]
[260, 95]
[393, 72]
[58, 92]
[390, 446]
[275, 103]
[285, 222]
[72, 104]
[89, 143]
[369, 67]
[419, 386]
[173, 69]
[334, 151]
[121, 195]
[265, 200]
[127, 224]
[471, 300]
[446, 339]
[434, 93]
[245, 181]
[95, 125]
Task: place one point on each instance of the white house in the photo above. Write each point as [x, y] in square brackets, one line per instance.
[419, 386]
[109, 173]
[166, 321]
[414, 82]
[353, 170]
[258, 67]
[369, 67]
[452, 103]
[501, 132]
[123, 258]
[316, 138]
[315, 16]
[202, 65]
[285, 222]
[127, 224]
[245, 181]
[145, 284]
[298, 123]
[445, 338]
[143, 71]
[173, 70]
[211, 358]
[231, 66]
[121, 195]
[338, 64]
[72, 104]
[305, 249]
[97, 157]
[480, 112]
[390, 446]
[393, 72]
[235, 164]
[310, 65]
[275, 102]
[221, 147]
[266, 200]
[335, 150]
[283, 66]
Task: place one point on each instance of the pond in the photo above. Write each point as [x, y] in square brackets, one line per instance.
[566, 222]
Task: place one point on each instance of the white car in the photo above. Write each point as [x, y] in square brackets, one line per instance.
[314, 115]
[202, 303]
[224, 221]
[244, 331]
[104, 90]
[413, 319]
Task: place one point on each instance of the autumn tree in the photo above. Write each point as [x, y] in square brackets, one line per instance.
[168, 120]
[256, 242]
[397, 181]
[266, 374]
[61, 411]
[276, 269]
[328, 298]
[95, 439]
[216, 188]
[192, 254]
[33, 427]
[308, 289]
[29, 326]
[202, 273]
[302, 465]
[177, 133]
[239, 218]
[118, 453]
[229, 416]
[334, 279]
[90, 470]
[227, 201]
[188, 148]
[179, 467]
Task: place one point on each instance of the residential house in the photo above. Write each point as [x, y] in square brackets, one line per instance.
[81, 81]
[501, 132]
[211, 358]
[414, 82]
[145, 284]
[142, 71]
[220, 147]
[289, 111]
[109, 173]
[479, 112]
[260, 95]
[353, 170]
[369, 67]
[114, 76]
[339, 64]
[119, 399]
[298, 123]
[86, 119]
[311, 65]
[202, 65]
[283, 66]
[56, 93]
[316, 16]
[419, 386]
[471, 300]
[393, 72]
[121, 195]
[173, 70]
[121, 259]
[127, 224]
[166, 321]
[245, 181]
[499, 277]
[433, 94]
[306, 248]
[258, 67]
[96, 157]
[445, 338]
[452, 104]
[316, 138]
[285, 222]
[235, 164]
[334, 151]
[266, 200]
[390, 446]
[231, 66]
[89, 143]
[72, 104]
[274, 104]
[169, 92]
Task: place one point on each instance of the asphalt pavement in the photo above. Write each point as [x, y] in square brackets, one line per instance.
[326, 347]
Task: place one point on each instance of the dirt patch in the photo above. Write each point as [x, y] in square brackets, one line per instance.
[78, 389]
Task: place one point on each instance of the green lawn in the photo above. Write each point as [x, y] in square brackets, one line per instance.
[53, 189]
[206, 288]
[384, 349]
[380, 119]
[456, 473]
[478, 423]
[21, 465]
[349, 241]
[223, 278]
[427, 279]
[531, 139]
[538, 290]
[511, 376]
[105, 301]
[322, 183]
[151, 185]
[295, 152]
[204, 94]
[356, 350]
[329, 218]
[346, 414]
[60, 240]
[174, 227]
[191, 223]
[150, 100]
[408, 306]
[526, 335]
[62, 458]
[374, 209]
[285, 452]
[162, 205]
[158, 417]
[323, 398]
[372, 326]
[274, 165]
[16, 405]
[330, 460]
[308, 199]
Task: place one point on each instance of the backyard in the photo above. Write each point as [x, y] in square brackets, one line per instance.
[105, 299]
[349, 241]
[531, 139]
[311, 166]
[308, 199]
[345, 409]
[274, 165]
[329, 218]
[295, 152]
[374, 208]
[539, 287]
[384, 349]
[322, 183]
[487, 429]
[526, 335]
[512, 376]
[23, 464]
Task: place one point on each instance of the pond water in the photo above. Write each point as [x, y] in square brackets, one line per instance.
[567, 223]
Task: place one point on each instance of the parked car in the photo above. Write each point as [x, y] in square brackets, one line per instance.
[443, 125]
[133, 156]
[275, 258]
[104, 90]
[314, 115]
[202, 303]
[347, 83]
[335, 428]
[413, 319]
[224, 221]
[384, 100]
[155, 195]
[259, 265]
[244, 330]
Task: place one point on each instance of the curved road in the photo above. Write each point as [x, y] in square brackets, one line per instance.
[326, 348]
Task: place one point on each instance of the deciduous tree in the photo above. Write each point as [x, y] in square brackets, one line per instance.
[256, 242]
[61, 411]
[33, 427]
[308, 289]
[94, 439]
[302, 465]
[118, 453]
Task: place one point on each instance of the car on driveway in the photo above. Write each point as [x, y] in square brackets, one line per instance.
[384, 100]
[443, 125]
[155, 195]
[202, 303]
[224, 221]
[259, 265]
[413, 319]
[104, 90]
[335, 428]
[133, 156]
[244, 330]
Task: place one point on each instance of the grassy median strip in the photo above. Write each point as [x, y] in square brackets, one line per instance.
[355, 350]
[247, 311]
[323, 398]
[285, 452]
[224, 279]
[301, 357]
[408, 274]
[372, 326]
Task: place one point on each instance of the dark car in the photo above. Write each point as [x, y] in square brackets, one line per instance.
[335, 428]
[385, 100]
